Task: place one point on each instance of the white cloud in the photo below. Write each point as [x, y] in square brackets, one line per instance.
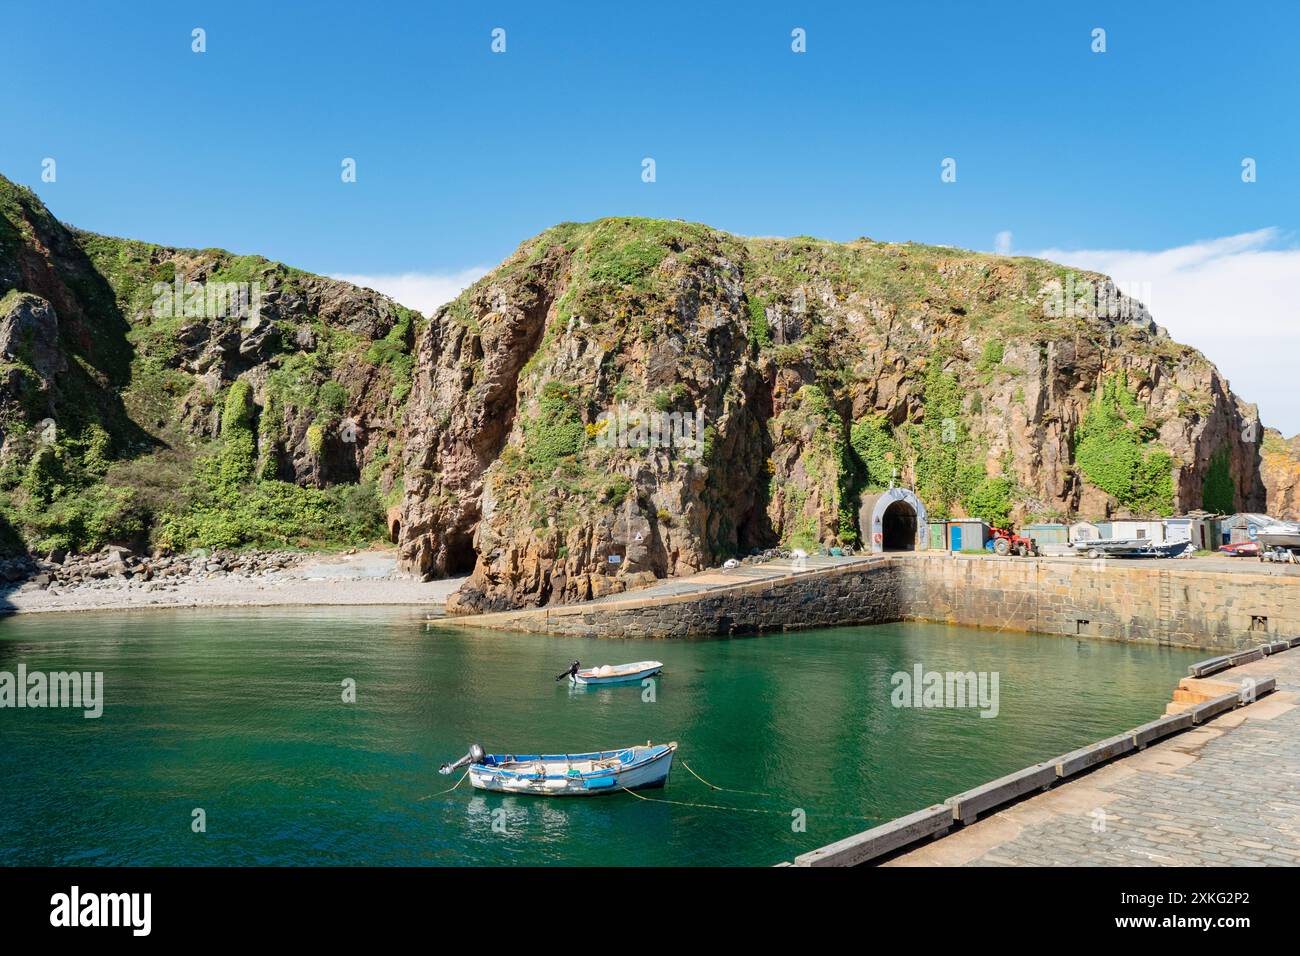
[1002, 243]
[423, 291]
[1237, 299]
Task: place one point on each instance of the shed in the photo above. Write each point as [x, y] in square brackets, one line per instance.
[966, 534]
[1138, 529]
[1242, 527]
[1210, 528]
[892, 520]
[1200, 528]
[1084, 531]
[938, 534]
[1048, 532]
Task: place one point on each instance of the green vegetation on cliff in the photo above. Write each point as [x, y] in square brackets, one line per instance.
[228, 507]
[947, 462]
[813, 421]
[556, 434]
[1114, 451]
[872, 443]
[116, 439]
[1219, 494]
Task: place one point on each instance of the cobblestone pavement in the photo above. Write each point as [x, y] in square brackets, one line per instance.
[1223, 794]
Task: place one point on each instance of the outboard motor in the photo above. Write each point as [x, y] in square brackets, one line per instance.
[573, 669]
[475, 755]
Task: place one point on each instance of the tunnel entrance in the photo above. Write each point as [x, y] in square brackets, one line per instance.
[892, 520]
[898, 527]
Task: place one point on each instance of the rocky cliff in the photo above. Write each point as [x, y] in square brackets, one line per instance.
[1280, 472]
[181, 397]
[619, 401]
[798, 373]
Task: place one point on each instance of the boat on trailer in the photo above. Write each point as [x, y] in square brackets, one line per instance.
[569, 775]
[1279, 534]
[1133, 548]
[611, 673]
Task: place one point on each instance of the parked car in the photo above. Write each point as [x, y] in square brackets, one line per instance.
[1241, 549]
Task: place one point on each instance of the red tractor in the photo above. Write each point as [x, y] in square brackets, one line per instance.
[1005, 541]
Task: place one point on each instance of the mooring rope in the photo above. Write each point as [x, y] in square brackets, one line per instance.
[723, 789]
[679, 803]
[448, 790]
[704, 806]
[716, 806]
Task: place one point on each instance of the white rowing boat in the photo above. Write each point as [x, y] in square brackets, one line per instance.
[612, 673]
[569, 775]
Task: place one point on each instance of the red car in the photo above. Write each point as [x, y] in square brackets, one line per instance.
[1241, 549]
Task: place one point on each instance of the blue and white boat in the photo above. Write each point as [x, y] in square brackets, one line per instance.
[570, 775]
[612, 673]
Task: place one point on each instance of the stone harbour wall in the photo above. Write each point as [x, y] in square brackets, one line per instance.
[1150, 601]
[1161, 602]
[861, 593]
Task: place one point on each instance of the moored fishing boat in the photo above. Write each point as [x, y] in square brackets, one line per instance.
[569, 775]
[611, 673]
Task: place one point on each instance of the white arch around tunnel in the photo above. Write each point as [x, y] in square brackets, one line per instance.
[892, 520]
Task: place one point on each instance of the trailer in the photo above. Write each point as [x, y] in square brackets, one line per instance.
[1133, 548]
[1281, 554]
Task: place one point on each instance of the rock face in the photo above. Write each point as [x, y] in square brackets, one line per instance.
[116, 352]
[29, 332]
[325, 404]
[619, 401]
[816, 371]
[1280, 471]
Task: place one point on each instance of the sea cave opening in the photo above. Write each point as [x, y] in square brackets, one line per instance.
[461, 556]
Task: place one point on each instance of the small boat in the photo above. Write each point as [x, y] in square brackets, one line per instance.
[1279, 534]
[1132, 548]
[611, 673]
[569, 775]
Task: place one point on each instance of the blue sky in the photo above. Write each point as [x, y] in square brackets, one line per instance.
[462, 153]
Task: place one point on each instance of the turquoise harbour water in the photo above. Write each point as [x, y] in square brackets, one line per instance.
[240, 713]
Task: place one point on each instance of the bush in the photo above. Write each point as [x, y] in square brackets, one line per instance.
[992, 356]
[274, 514]
[1112, 451]
[990, 500]
[235, 462]
[616, 490]
[555, 433]
[873, 443]
[760, 333]
[90, 519]
[1219, 493]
